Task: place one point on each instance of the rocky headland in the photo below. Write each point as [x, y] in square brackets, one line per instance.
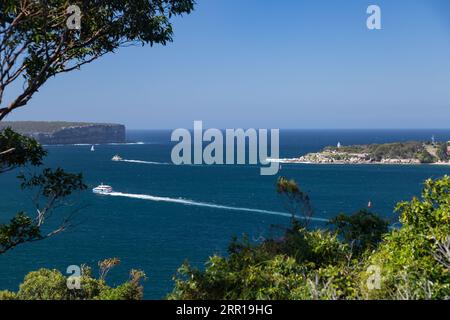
[412, 152]
[51, 133]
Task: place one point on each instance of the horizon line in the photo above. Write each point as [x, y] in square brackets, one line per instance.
[293, 129]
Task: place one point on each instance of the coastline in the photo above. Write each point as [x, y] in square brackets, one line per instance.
[342, 163]
[398, 153]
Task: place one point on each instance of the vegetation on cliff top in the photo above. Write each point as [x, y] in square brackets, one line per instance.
[422, 151]
[27, 127]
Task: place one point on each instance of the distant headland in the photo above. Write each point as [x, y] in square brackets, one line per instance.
[59, 132]
[413, 152]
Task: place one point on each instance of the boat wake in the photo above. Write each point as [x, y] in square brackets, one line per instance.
[287, 161]
[205, 204]
[126, 143]
[145, 162]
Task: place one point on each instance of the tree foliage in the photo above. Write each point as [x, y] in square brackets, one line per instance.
[408, 257]
[362, 230]
[413, 260]
[17, 150]
[51, 187]
[19, 230]
[296, 201]
[46, 284]
[303, 265]
[37, 44]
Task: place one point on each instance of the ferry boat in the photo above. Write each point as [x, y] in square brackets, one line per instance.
[102, 189]
[117, 158]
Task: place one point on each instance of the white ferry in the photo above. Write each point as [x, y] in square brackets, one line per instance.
[102, 189]
[117, 158]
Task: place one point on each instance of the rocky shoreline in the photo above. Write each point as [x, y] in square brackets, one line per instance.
[410, 153]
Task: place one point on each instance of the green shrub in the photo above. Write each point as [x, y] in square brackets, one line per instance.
[7, 295]
[362, 230]
[275, 269]
[318, 265]
[46, 284]
[406, 257]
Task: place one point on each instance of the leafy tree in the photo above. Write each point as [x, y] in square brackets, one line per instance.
[407, 257]
[271, 270]
[296, 201]
[301, 265]
[413, 260]
[17, 151]
[46, 284]
[442, 253]
[37, 44]
[362, 230]
[52, 188]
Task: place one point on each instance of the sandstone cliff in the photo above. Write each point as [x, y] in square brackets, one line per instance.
[69, 132]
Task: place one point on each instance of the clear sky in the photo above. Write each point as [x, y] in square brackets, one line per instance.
[271, 64]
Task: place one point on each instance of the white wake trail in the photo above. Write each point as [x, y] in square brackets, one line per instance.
[145, 162]
[205, 204]
[287, 161]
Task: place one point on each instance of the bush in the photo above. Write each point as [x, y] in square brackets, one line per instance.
[319, 265]
[407, 257]
[7, 295]
[362, 230]
[46, 284]
[299, 266]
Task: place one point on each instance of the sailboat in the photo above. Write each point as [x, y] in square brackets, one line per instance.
[92, 148]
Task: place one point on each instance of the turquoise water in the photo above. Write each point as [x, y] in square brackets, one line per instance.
[157, 236]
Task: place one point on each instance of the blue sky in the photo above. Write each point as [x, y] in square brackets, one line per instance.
[271, 64]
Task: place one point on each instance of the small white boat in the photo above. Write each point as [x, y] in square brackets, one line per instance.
[102, 189]
[92, 148]
[117, 158]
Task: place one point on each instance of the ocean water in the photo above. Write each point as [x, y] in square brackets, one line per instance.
[163, 214]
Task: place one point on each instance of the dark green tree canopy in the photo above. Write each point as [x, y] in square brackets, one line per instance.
[297, 202]
[413, 260]
[363, 229]
[52, 186]
[36, 42]
[17, 150]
